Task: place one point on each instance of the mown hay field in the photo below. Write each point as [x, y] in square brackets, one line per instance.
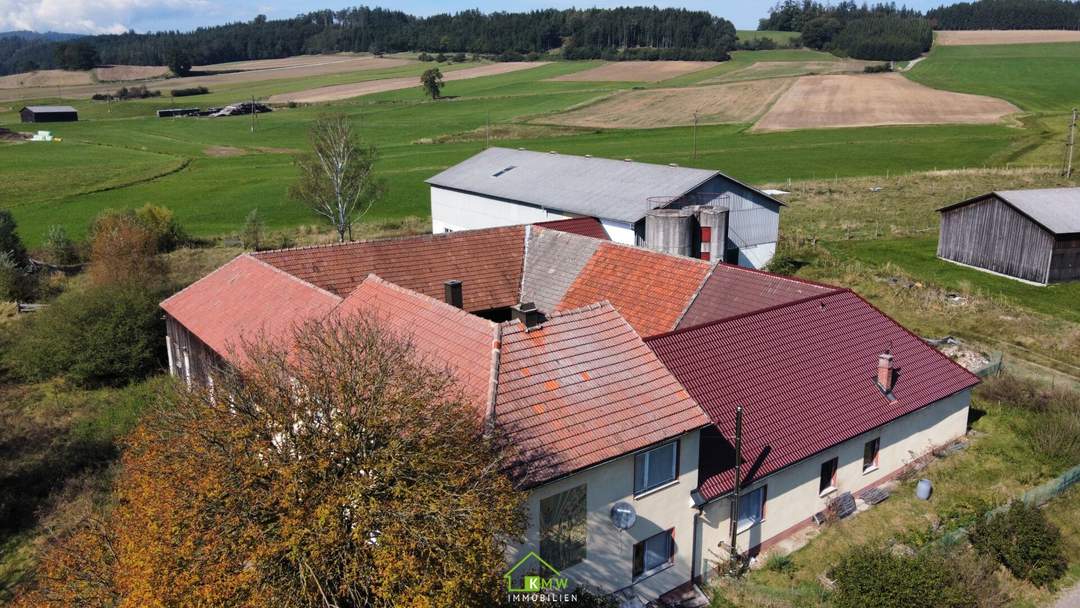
[982, 37]
[637, 71]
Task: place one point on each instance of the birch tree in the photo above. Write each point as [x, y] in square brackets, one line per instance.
[337, 179]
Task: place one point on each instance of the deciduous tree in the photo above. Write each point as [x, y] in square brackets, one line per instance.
[337, 179]
[432, 81]
[344, 471]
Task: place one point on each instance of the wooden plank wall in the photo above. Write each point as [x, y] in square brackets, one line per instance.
[200, 361]
[992, 235]
[1065, 263]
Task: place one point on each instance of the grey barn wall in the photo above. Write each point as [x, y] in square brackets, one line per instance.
[992, 235]
[1065, 261]
[201, 358]
[754, 219]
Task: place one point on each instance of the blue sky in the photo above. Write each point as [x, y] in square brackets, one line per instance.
[96, 16]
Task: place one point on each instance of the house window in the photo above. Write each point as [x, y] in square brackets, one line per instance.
[656, 467]
[654, 554]
[751, 508]
[870, 455]
[828, 476]
[562, 528]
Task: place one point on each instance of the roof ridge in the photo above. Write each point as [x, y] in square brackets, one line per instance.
[381, 281]
[573, 311]
[759, 311]
[774, 275]
[400, 237]
[260, 262]
[693, 298]
[193, 283]
[296, 278]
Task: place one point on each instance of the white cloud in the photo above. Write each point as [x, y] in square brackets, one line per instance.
[93, 16]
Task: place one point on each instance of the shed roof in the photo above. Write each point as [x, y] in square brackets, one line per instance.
[805, 374]
[600, 187]
[1055, 209]
[585, 226]
[583, 388]
[487, 262]
[50, 109]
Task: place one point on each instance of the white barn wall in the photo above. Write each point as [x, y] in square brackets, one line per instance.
[792, 494]
[453, 210]
[609, 552]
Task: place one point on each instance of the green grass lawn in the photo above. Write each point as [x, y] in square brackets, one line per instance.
[1035, 77]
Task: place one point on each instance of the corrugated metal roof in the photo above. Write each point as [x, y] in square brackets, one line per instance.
[51, 109]
[613, 189]
[1055, 209]
[583, 388]
[804, 373]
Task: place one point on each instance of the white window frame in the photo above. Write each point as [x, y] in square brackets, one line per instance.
[645, 457]
[759, 516]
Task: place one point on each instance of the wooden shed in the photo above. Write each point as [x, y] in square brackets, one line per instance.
[1033, 235]
[49, 114]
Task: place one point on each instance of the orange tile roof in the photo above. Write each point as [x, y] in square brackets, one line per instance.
[247, 299]
[487, 262]
[444, 336]
[583, 388]
[651, 290]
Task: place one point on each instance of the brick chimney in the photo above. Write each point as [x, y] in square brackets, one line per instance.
[452, 293]
[885, 371]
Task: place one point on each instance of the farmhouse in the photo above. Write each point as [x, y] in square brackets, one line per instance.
[503, 187]
[1033, 235]
[617, 370]
[49, 114]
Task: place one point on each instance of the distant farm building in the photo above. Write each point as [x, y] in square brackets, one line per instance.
[49, 114]
[1033, 235]
[695, 212]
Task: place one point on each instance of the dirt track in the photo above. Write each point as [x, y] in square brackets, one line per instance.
[637, 71]
[347, 91]
[875, 99]
[967, 37]
[725, 103]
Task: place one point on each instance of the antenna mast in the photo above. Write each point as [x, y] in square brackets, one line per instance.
[1069, 145]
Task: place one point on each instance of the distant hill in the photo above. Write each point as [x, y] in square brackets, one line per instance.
[40, 36]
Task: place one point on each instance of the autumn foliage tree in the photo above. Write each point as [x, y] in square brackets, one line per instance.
[344, 472]
[122, 249]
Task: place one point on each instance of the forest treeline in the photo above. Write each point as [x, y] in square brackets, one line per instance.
[1007, 15]
[620, 33]
[878, 32]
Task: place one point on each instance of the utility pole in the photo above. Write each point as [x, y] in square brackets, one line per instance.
[733, 566]
[694, 137]
[1069, 145]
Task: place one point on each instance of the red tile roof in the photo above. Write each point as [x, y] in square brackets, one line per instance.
[246, 299]
[805, 374]
[445, 336]
[651, 290]
[734, 290]
[487, 262]
[585, 226]
[583, 388]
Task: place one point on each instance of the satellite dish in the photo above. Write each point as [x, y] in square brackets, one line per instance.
[623, 515]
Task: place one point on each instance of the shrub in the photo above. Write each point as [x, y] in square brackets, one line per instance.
[873, 576]
[10, 278]
[460, 58]
[440, 58]
[122, 250]
[1024, 541]
[107, 335]
[425, 57]
[878, 68]
[188, 92]
[252, 234]
[163, 225]
[59, 249]
[10, 242]
[778, 562]
[1053, 429]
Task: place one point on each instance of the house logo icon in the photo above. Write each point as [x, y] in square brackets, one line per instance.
[535, 576]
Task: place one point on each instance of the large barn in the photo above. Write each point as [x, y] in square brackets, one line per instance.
[504, 187]
[49, 114]
[1033, 235]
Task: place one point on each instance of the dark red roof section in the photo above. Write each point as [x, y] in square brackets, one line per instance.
[443, 336]
[488, 263]
[650, 290]
[583, 388]
[585, 226]
[805, 374]
[247, 300]
[733, 290]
